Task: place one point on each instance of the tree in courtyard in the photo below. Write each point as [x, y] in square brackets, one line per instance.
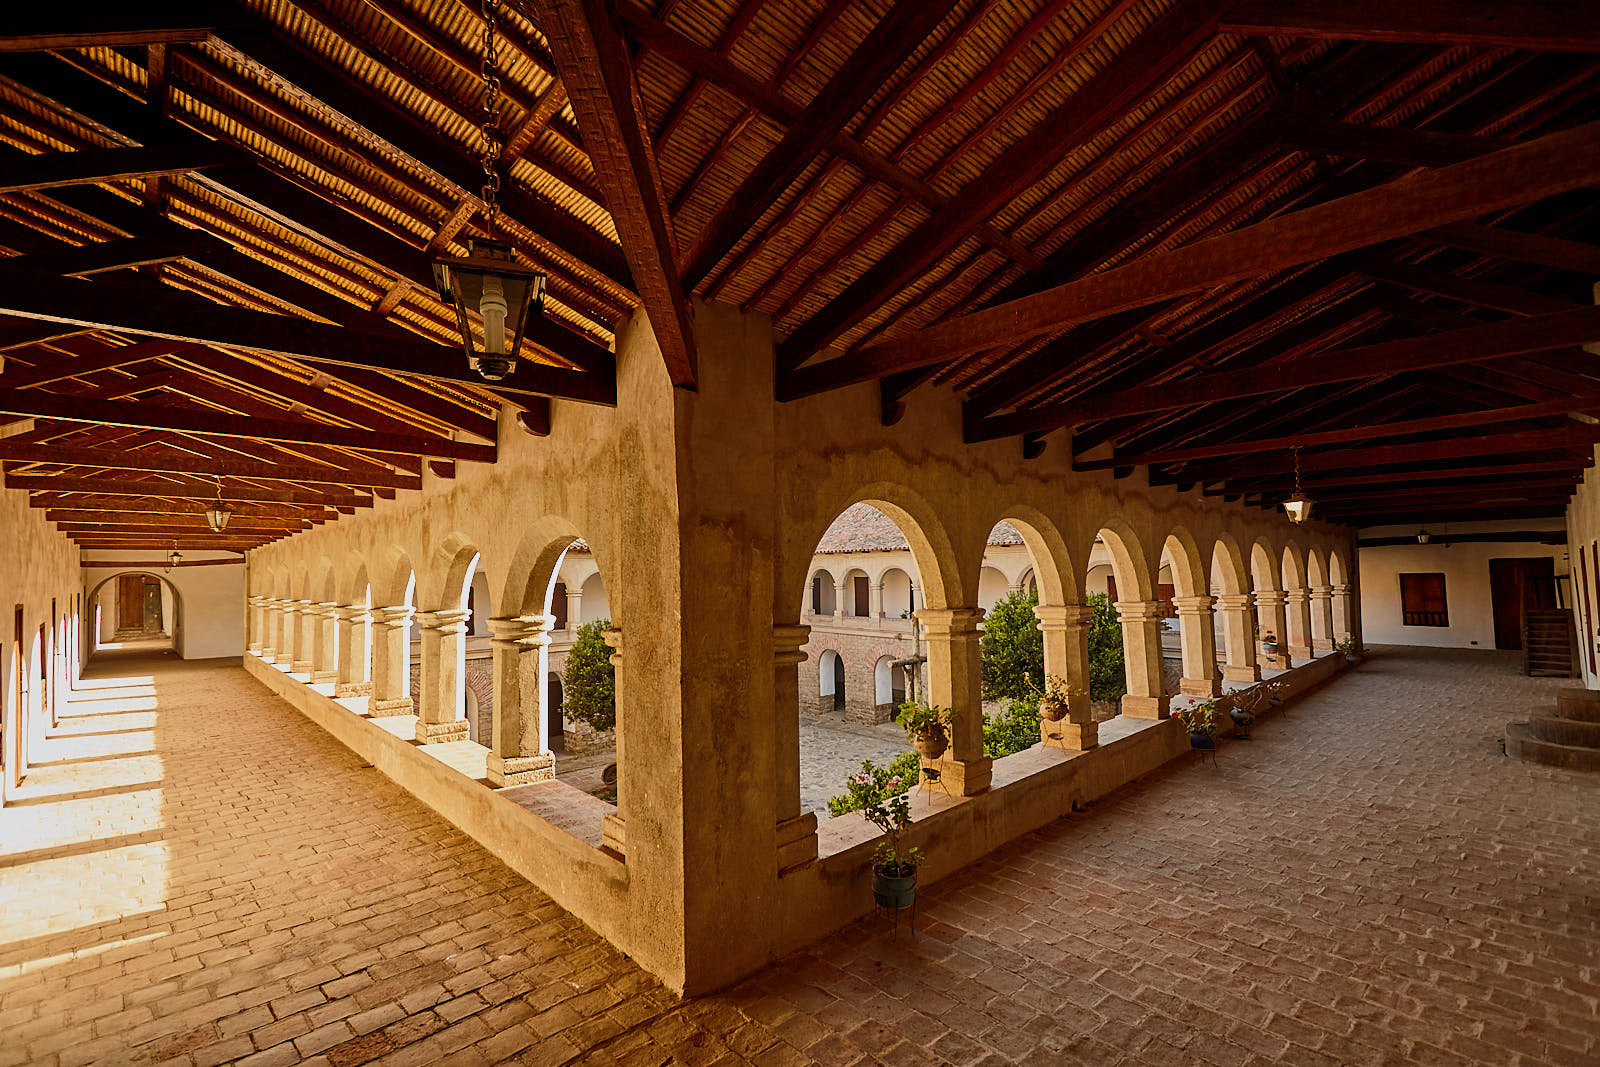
[589, 683]
[1012, 648]
[1107, 678]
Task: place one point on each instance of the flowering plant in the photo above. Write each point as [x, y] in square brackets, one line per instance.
[1057, 690]
[890, 814]
[1269, 638]
[920, 719]
[1347, 646]
[1199, 717]
[1252, 700]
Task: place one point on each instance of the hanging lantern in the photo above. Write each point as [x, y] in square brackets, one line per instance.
[1422, 536]
[218, 514]
[491, 283]
[1298, 507]
[173, 558]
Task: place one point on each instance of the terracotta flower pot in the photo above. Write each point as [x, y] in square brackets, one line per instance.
[931, 743]
[1052, 710]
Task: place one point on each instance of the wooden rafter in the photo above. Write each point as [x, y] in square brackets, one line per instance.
[1542, 25]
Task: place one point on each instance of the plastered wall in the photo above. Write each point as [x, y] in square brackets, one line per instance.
[202, 607]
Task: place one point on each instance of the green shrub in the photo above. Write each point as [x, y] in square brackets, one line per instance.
[1012, 647]
[1012, 730]
[589, 683]
[1108, 680]
[900, 776]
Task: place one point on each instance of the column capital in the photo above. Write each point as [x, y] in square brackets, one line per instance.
[1322, 592]
[1192, 605]
[1296, 596]
[613, 637]
[352, 613]
[522, 632]
[786, 642]
[955, 622]
[257, 599]
[325, 608]
[1270, 597]
[393, 617]
[1233, 602]
[1342, 588]
[446, 621]
[1139, 610]
[1062, 616]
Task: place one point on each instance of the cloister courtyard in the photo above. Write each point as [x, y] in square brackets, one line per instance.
[195, 874]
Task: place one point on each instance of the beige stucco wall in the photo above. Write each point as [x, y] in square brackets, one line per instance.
[672, 487]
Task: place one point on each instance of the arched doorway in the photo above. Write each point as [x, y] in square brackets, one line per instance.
[136, 609]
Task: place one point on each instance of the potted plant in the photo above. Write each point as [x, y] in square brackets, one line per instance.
[1200, 719]
[1347, 649]
[894, 870]
[1055, 698]
[1242, 709]
[1269, 643]
[927, 727]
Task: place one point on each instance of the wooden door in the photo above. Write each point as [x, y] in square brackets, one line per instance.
[130, 602]
[863, 595]
[1507, 578]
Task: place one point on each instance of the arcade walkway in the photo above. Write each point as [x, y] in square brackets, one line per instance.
[197, 875]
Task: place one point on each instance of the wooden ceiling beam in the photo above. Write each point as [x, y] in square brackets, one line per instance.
[65, 487]
[175, 462]
[597, 69]
[1139, 69]
[51, 170]
[42, 28]
[105, 256]
[1323, 484]
[1537, 249]
[1537, 25]
[20, 333]
[84, 507]
[50, 367]
[1470, 345]
[1387, 144]
[1549, 165]
[901, 30]
[115, 522]
[1467, 290]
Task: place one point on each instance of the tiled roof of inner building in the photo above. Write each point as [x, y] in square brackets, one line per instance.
[863, 528]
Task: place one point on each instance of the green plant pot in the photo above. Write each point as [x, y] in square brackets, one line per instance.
[894, 892]
[1202, 741]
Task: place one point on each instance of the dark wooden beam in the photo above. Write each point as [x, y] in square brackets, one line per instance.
[1470, 345]
[42, 28]
[110, 486]
[52, 367]
[1139, 68]
[1532, 248]
[85, 509]
[1538, 25]
[1552, 164]
[597, 69]
[52, 170]
[901, 30]
[89, 520]
[1386, 144]
[1423, 476]
[112, 255]
[174, 462]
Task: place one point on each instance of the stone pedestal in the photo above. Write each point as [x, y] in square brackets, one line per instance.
[354, 622]
[1066, 654]
[518, 743]
[1197, 626]
[1239, 637]
[391, 668]
[1141, 652]
[955, 682]
[443, 687]
[796, 833]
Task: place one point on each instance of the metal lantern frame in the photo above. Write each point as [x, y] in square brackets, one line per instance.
[1298, 507]
[465, 282]
[218, 513]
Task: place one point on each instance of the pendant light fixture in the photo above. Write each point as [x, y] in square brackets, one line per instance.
[218, 514]
[489, 280]
[1422, 536]
[1298, 506]
[173, 559]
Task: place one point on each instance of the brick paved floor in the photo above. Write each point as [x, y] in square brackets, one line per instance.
[198, 875]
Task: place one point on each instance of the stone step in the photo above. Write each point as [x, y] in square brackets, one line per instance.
[1521, 743]
[1580, 704]
[1566, 731]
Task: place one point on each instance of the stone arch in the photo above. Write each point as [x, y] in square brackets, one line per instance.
[1294, 567]
[1229, 572]
[1188, 563]
[853, 607]
[820, 593]
[1129, 561]
[450, 573]
[898, 592]
[1264, 566]
[937, 562]
[831, 678]
[1316, 567]
[177, 602]
[393, 578]
[535, 566]
[992, 587]
[1053, 566]
[324, 582]
[883, 682]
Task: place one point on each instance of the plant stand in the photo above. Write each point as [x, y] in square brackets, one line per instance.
[933, 777]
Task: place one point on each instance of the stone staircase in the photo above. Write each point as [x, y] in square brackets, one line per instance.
[1567, 735]
[1548, 642]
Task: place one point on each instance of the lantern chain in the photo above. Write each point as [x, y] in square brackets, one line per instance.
[493, 146]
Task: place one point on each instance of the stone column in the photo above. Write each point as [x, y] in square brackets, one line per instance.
[1340, 610]
[391, 669]
[439, 719]
[519, 748]
[1066, 653]
[1242, 665]
[875, 601]
[355, 629]
[1141, 653]
[324, 623]
[1322, 613]
[614, 827]
[1198, 628]
[797, 833]
[838, 603]
[1298, 603]
[1275, 618]
[300, 647]
[954, 682]
[257, 616]
[283, 643]
[574, 610]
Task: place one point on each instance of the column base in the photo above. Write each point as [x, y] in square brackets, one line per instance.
[1278, 661]
[521, 770]
[1068, 735]
[613, 835]
[301, 666]
[323, 677]
[797, 841]
[438, 733]
[966, 778]
[352, 689]
[1200, 687]
[253, 648]
[399, 706]
[266, 653]
[1299, 652]
[1145, 707]
[284, 658]
[1231, 673]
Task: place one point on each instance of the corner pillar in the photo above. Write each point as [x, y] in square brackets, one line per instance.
[354, 622]
[1239, 638]
[391, 667]
[1141, 653]
[955, 682]
[1197, 628]
[519, 749]
[797, 832]
[443, 688]
[1066, 653]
